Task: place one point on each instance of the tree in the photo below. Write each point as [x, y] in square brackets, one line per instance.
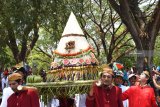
[54, 15]
[156, 58]
[20, 23]
[102, 25]
[143, 25]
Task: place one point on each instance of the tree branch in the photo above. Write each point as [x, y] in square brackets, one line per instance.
[118, 42]
[128, 19]
[121, 55]
[119, 36]
[11, 39]
[48, 62]
[23, 51]
[87, 34]
[154, 23]
[41, 50]
[124, 44]
[102, 17]
[115, 6]
[150, 5]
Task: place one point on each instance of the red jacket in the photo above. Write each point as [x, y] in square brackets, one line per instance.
[27, 98]
[140, 96]
[105, 98]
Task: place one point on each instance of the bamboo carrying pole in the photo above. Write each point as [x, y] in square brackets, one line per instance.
[62, 83]
[61, 89]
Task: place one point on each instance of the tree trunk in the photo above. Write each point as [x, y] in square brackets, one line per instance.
[142, 31]
[145, 55]
[104, 46]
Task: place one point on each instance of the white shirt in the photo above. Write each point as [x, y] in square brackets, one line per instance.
[55, 103]
[4, 81]
[80, 100]
[125, 102]
[7, 92]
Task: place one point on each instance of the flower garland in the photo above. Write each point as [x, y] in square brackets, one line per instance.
[76, 56]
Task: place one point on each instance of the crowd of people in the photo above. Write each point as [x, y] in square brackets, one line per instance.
[114, 88]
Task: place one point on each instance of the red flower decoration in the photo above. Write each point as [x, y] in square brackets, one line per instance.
[88, 61]
[65, 61]
[81, 61]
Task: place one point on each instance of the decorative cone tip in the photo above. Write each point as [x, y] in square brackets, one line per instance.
[72, 26]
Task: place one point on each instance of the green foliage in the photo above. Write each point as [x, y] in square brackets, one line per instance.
[127, 61]
[38, 60]
[156, 58]
[51, 17]
[6, 59]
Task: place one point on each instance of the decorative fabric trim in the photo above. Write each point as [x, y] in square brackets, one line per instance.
[73, 54]
[67, 35]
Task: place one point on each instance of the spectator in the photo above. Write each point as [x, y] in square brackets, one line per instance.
[23, 72]
[142, 95]
[118, 80]
[5, 79]
[132, 79]
[155, 81]
[43, 74]
[125, 83]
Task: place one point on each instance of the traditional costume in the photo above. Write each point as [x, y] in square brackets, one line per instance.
[140, 96]
[103, 97]
[23, 98]
[14, 76]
